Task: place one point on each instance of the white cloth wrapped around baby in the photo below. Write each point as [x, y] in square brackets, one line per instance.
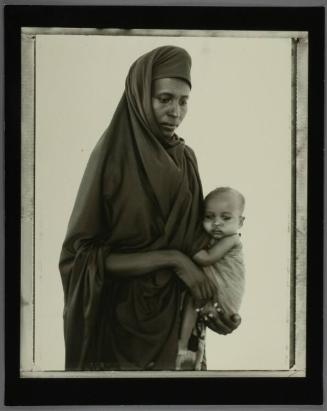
[229, 275]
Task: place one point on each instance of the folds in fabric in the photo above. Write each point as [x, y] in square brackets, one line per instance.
[139, 192]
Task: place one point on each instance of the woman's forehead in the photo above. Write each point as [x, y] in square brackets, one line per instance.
[172, 86]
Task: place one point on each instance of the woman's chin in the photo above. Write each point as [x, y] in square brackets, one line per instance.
[167, 132]
[168, 136]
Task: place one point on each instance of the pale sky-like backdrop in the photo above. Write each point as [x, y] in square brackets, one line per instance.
[238, 124]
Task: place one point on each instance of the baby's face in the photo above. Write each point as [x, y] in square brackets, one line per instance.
[223, 215]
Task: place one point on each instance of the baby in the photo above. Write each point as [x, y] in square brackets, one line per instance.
[222, 262]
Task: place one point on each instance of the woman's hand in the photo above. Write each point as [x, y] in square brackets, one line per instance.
[200, 286]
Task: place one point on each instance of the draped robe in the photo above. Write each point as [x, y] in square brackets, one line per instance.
[140, 192]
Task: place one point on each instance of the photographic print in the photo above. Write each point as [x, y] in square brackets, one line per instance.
[164, 184]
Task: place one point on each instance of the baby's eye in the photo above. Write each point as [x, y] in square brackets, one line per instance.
[208, 216]
[226, 218]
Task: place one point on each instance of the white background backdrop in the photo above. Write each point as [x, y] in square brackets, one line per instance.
[239, 125]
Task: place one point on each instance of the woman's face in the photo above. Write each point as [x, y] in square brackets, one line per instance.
[169, 103]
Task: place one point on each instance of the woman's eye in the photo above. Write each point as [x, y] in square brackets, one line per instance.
[183, 103]
[164, 100]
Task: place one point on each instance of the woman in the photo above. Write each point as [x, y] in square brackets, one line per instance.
[125, 261]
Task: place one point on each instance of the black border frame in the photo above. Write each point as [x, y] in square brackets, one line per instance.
[100, 391]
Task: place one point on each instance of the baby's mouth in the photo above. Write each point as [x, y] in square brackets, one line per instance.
[217, 232]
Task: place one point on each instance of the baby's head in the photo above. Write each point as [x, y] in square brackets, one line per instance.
[224, 207]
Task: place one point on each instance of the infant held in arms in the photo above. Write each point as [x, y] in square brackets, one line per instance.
[222, 262]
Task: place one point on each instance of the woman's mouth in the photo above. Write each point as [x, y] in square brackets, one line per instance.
[168, 127]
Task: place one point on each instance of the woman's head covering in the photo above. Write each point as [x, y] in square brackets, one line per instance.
[172, 62]
[139, 192]
[162, 62]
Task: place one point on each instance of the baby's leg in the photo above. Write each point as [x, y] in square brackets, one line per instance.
[188, 322]
[199, 355]
[186, 358]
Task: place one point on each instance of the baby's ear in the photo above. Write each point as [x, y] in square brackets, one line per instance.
[242, 220]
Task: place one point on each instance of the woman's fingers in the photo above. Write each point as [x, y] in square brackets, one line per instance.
[206, 290]
[215, 296]
[209, 289]
[201, 291]
[214, 291]
[197, 296]
[202, 287]
[213, 285]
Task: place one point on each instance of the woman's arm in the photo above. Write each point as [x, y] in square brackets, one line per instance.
[216, 252]
[200, 287]
[127, 265]
[135, 264]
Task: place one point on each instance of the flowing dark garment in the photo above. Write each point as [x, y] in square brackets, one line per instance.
[139, 193]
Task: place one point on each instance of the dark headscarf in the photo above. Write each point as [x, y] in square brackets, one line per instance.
[140, 192]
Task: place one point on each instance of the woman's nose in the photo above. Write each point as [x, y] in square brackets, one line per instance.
[174, 109]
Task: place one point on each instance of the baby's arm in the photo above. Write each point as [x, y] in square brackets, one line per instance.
[217, 251]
